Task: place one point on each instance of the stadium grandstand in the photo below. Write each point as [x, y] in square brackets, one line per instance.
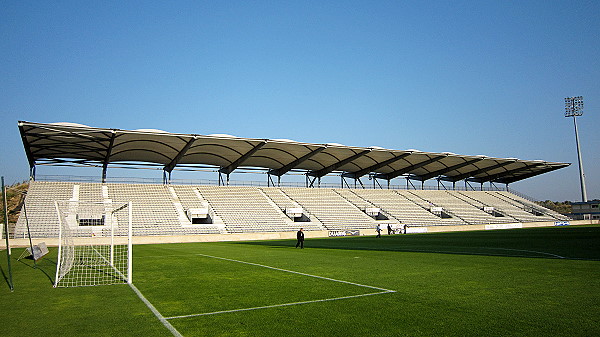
[172, 208]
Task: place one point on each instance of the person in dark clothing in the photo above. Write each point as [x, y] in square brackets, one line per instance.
[300, 237]
[389, 229]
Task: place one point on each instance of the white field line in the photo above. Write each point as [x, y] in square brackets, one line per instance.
[381, 291]
[528, 251]
[156, 313]
[296, 272]
[434, 251]
[280, 305]
[409, 250]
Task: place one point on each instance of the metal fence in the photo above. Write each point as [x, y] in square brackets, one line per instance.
[158, 181]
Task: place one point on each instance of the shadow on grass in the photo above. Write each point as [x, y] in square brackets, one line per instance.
[41, 265]
[5, 277]
[548, 243]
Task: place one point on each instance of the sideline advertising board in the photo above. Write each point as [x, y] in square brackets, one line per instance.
[410, 230]
[503, 226]
[344, 233]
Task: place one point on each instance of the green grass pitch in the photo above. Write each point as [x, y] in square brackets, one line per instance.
[521, 282]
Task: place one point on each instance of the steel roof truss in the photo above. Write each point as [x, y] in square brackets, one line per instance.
[231, 167]
[507, 173]
[548, 168]
[170, 166]
[26, 144]
[375, 167]
[407, 169]
[285, 169]
[479, 171]
[324, 171]
[447, 169]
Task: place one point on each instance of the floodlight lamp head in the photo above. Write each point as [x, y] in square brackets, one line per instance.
[573, 106]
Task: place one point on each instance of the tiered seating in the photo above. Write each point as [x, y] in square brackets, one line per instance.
[279, 198]
[362, 204]
[543, 213]
[548, 212]
[357, 201]
[334, 212]
[245, 209]
[401, 208]
[456, 206]
[160, 209]
[90, 192]
[189, 198]
[415, 196]
[492, 198]
[283, 202]
[40, 208]
[153, 209]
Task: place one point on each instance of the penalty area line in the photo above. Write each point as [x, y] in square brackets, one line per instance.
[280, 305]
[381, 291]
[299, 273]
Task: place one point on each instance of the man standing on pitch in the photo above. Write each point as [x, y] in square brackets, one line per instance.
[300, 237]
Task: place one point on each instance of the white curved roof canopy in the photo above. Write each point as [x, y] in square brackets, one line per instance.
[79, 144]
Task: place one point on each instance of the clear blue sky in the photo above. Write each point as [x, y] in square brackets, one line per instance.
[469, 77]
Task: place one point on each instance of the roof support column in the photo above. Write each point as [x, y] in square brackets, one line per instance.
[270, 180]
[360, 182]
[166, 177]
[104, 168]
[373, 177]
[343, 181]
[108, 153]
[221, 181]
[411, 184]
[311, 183]
[377, 181]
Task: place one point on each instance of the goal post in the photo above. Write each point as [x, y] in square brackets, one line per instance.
[95, 243]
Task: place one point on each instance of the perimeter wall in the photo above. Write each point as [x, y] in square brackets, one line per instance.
[53, 242]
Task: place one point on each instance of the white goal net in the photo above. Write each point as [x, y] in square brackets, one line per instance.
[94, 243]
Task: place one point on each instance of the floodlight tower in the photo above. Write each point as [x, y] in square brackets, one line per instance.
[574, 108]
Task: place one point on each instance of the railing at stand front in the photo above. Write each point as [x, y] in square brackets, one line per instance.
[159, 181]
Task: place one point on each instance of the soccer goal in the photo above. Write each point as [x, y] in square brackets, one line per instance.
[94, 243]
